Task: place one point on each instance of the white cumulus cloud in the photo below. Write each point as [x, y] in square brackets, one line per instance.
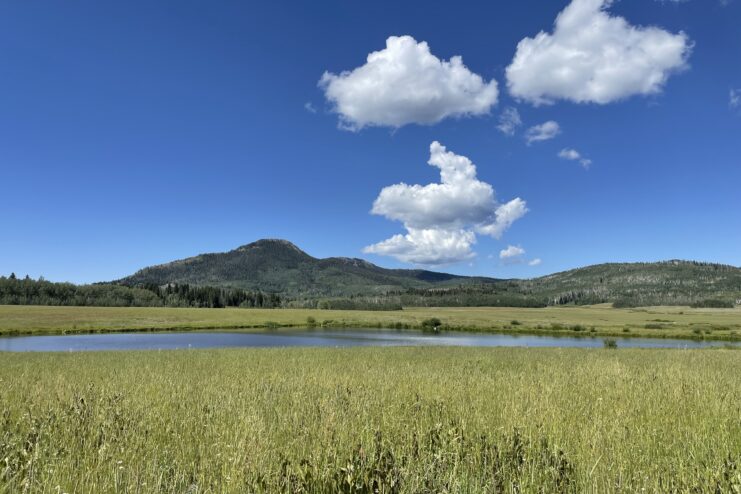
[535, 262]
[429, 246]
[504, 215]
[592, 56]
[543, 132]
[574, 155]
[511, 251]
[509, 121]
[405, 83]
[442, 219]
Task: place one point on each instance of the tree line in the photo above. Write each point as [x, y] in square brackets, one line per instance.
[27, 291]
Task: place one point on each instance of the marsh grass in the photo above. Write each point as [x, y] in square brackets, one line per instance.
[401, 420]
[432, 323]
[610, 343]
[598, 320]
[655, 326]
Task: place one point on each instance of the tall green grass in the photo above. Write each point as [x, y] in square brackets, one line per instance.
[371, 420]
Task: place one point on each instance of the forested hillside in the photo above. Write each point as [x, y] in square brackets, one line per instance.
[26, 291]
[341, 283]
[273, 273]
[279, 266]
[623, 284]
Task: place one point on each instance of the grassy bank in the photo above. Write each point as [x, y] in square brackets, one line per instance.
[600, 320]
[346, 420]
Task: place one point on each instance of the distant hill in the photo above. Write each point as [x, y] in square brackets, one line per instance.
[279, 266]
[624, 284]
[673, 282]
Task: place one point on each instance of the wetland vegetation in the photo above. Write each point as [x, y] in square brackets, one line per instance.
[599, 320]
[372, 420]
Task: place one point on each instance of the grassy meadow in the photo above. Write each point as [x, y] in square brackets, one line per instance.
[599, 320]
[404, 420]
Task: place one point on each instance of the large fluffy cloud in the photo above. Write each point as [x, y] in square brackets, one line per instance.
[594, 57]
[442, 219]
[405, 83]
[504, 216]
[431, 246]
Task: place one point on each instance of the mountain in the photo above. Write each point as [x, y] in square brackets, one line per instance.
[624, 284]
[279, 266]
[672, 282]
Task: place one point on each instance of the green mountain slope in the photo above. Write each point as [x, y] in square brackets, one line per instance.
[676, 282]
[279, 266]
[624, 284]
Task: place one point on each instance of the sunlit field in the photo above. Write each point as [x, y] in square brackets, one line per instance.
[372, 420]
[600, 320]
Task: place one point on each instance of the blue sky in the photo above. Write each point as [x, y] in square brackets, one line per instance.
[135, 133]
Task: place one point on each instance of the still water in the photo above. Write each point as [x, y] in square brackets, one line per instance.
[318, 338]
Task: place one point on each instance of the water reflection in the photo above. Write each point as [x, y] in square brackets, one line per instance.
[319, 338]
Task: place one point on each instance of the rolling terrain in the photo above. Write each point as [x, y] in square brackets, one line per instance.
[278, 266]
[622, 284]
[276, 273]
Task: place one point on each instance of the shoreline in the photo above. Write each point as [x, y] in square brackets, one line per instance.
[582, 321]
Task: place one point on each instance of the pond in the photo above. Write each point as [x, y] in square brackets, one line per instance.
[320, 338]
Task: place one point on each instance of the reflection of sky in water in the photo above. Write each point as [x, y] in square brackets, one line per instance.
[319, 338]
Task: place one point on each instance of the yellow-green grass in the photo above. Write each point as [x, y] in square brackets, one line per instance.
[600, 320]
[401, 419]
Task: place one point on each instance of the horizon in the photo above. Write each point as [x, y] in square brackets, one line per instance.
[138, 134]
[442, 271]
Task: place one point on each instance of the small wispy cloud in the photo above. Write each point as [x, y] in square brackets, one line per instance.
[511, 252]
[509, 121]
[543, 132]
[514, 254]
[309, 107]
[574, 155]
[734, 98]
